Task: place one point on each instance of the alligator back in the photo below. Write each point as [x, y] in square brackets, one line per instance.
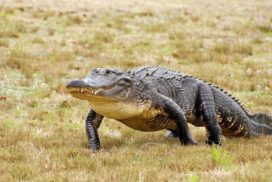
[232, 117]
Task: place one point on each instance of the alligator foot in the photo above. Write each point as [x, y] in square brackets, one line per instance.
[211, 142]
[171, 134]
[189, 141]
[174, 134]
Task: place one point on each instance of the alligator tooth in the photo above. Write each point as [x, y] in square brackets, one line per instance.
[96, 92]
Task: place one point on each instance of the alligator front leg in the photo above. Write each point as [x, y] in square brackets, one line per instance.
[177, 114]
[207, 109]
[93, 121]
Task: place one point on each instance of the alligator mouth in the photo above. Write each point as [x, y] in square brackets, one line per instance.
[89, 94]
[94, 90]
[82, 90]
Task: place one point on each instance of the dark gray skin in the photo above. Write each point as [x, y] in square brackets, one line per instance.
[154, 98]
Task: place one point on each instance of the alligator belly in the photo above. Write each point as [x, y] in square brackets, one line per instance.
[155, 124]
[196, 121]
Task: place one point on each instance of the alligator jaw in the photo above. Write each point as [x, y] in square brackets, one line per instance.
[89, 94]
[82, 91]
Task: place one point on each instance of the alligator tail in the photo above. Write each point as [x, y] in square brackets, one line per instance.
[262, 124]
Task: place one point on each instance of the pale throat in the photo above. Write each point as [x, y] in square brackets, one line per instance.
[115, 109]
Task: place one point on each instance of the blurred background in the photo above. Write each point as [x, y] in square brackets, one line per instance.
[43, 44]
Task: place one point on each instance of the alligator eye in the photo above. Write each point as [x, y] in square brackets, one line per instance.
[124, 82]
[107, 71]
[127, 80]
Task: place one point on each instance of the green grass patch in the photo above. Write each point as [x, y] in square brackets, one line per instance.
[221, 157]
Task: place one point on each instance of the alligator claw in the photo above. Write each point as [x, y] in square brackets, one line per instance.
[210, 142]
[192, 142]
[188, 141]
[93, 147]
[94, 150]
[174, 134]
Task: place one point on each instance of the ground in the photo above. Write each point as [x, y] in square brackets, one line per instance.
[43, 44]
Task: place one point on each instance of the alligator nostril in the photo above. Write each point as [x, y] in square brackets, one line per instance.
[76, 84]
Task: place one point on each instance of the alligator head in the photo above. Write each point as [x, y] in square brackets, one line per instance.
[101, 84]
[109, 92]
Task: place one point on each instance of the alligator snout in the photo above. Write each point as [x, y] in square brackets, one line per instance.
[76, 84]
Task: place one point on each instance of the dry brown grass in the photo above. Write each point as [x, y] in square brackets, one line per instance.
[43, 44]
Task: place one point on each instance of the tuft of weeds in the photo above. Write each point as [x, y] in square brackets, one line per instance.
[38, 40]
[9, 124]
[51, 31]
[21, 59]
[103, 37]
[189, 50]
[243, 48]
[74, 19]
[156, 27]
[265, 28]
[221, 48]
[221, 158]
[193, 178]
[4, 43]
[6, 12]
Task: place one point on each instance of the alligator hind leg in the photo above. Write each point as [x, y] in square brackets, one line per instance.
[207, 109]
[93, 121]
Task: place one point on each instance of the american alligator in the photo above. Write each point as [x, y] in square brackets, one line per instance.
[155, 98]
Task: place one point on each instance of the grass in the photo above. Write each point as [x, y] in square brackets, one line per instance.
[45, 44]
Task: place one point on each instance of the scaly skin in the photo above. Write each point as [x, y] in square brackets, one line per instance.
[155, 98]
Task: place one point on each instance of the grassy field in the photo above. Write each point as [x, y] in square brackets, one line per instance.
[43, 44]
